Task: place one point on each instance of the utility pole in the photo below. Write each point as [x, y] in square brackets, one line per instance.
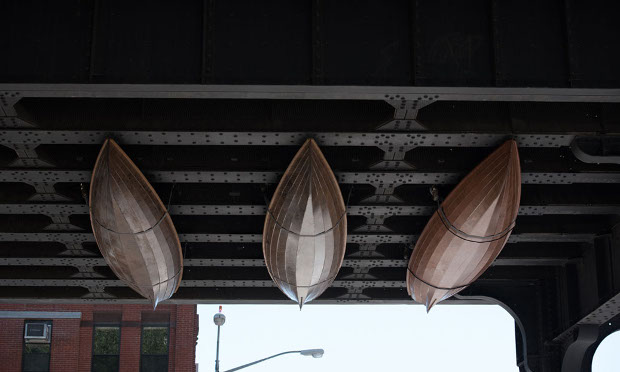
[219, 319]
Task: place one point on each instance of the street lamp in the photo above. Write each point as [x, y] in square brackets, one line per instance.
[315, 353]
[219, 319]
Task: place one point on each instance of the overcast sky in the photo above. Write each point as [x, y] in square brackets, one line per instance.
[476, 338]
[607, 355]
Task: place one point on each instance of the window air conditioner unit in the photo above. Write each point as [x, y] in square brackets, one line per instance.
[37, 332]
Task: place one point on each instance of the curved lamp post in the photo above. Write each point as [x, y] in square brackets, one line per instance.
[315, 353]
[219, 319]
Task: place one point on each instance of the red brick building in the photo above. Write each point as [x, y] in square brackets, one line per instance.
[99, 338]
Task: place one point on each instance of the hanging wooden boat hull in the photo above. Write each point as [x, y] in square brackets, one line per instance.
[469, 229]
[132, 227]
[305, 230]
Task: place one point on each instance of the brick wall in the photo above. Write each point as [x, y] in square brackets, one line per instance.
[11, 344]
[130, 339]
[71, 347]
[86, 343]
[65, 349]
[185, 347]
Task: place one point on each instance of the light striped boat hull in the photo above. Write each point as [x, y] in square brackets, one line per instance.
[133, 230]
[305, 230]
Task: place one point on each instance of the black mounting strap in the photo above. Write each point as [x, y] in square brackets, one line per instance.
[434, 286]
[470, 238]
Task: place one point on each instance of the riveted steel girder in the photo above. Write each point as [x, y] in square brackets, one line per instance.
[373, 178]
[388, 93]
[102, 283]
[598, 316]
[67, 137]
[353, 210]
[257, 238]
[245, 262]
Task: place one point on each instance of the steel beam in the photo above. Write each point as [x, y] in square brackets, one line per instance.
[78, 238]
[352, 210]
[98, 285]
[604, 312]
[32, 176]
[13, 122]
[196, 262]
[575, 355]
[597, 317]
[259, 262]
[46, 209]
[387, 93]
[102, 283]
[387, 139]
[597, 304]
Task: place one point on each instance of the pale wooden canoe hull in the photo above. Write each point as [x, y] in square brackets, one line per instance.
[305, 230]
[133, 230]
[468, 232]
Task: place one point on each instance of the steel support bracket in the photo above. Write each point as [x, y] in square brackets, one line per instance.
[27, 157]
[45, 192]
[7, 103]
[575, 355]
[406, 112]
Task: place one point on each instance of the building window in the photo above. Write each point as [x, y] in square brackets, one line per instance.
[37, 345]
[154, 348]
[106, 348]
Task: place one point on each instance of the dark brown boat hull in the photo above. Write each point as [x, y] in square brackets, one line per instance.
[469, 230]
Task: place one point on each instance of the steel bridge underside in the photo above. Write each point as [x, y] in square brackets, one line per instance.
[211, 99]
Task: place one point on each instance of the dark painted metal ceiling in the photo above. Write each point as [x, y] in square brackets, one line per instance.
[217, 161]
[400, 95]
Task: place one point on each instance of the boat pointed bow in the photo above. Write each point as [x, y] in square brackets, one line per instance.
[429, 305]
[512, 151]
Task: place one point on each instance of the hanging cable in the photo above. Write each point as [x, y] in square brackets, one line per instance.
[332, 278]
[462, 234]
[434, 286]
